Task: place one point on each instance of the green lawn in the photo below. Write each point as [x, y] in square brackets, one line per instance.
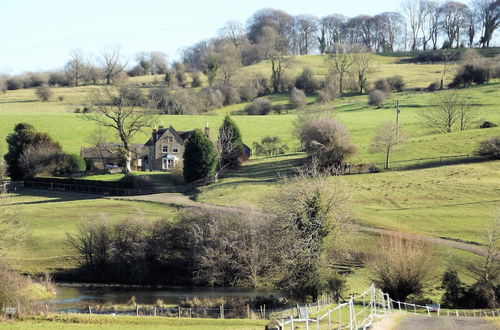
[82, 321]
[52, 215]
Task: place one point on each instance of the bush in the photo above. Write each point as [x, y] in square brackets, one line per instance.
[14, 83]
[487, 124]
[489, 148]
[278, 108]
[397, 83]
[72, 163]
[44, 92]
[297, 98]
[469, 74]
[402, 265]
[307, 81]
[195, 79]
[132, 95]
[383, 85]
[323, 97]
[211, 98]
[260, 106]
[433, 87]
[377, 98]
[324, 139]
[269, 146]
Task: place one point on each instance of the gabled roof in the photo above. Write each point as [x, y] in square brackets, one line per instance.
[182, 135]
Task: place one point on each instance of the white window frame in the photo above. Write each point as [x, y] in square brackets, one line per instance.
[164, 148]
[175, 150]
[164, 163]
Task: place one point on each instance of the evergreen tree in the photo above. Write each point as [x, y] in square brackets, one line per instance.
[229, 142]
[200, 157]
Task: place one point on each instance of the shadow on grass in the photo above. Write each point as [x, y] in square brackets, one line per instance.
[268, 170]
[19, 101]
[439, 163]
[55, 196]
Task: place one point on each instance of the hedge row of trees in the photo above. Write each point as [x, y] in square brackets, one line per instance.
[292, 248]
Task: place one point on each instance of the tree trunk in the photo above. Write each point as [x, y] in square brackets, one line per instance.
[387, 158]
[128, 162]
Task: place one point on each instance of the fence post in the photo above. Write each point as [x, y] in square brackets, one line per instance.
[307, 318]
[317, 322]
[292, 327]
[329, 319]
[340, 318]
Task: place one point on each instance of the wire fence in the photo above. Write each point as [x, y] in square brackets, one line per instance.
[88, 189]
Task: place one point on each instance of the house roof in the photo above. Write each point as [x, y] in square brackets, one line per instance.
[109, 150]
[184, 135]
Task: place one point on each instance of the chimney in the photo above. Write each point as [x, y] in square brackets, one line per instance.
[207, 130]
[154, 135]
[160, 127]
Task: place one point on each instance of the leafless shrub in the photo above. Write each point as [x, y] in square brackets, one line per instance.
[323, 138]
[402, 265]
[297, 98]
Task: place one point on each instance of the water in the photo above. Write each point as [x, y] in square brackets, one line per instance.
[71, 298]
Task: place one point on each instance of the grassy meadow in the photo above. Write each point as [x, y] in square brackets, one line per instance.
[453, 201]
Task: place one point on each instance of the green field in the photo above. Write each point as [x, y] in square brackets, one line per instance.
[453, 201]
[53, 215]
[81, 321]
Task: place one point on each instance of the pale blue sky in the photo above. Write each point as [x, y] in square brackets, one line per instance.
[39, 34]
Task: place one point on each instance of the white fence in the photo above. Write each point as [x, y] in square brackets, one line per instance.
[363, 309]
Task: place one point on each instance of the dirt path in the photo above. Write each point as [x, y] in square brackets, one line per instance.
[180, 200]
[445, 323]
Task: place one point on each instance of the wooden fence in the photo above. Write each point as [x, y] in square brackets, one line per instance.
[88, 189]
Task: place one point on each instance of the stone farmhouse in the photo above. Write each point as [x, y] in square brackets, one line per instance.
[162, 152]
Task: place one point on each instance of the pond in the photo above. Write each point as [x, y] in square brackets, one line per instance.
[71, 298]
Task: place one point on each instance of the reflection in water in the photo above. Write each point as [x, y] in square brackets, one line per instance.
[68, 297]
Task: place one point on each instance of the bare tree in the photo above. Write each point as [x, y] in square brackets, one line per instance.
[234, 31]
[112, 111]
[44, 92]
[488, 12]
[402, 265]
[453, 108]
[274, 48]
[363, 67]
[76, 66]
[112, 64]
[307, 26]
[229, 63]
[448, 57]
[412, 11]
[389, 136]
[340, 62]
[453, 15]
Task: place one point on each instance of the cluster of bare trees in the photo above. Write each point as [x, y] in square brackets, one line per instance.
[420, 24]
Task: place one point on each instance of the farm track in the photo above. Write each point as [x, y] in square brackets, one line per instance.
[465, 323]
[179, 200]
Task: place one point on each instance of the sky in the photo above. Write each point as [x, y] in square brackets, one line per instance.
[38, 35]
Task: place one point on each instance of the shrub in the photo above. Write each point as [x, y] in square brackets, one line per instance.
[377, 98]
[489, 148]
[14, 83]
[44, 92]
[324, 139]
[230, 93]
[297, 98]
[383, 85]
[211, 98]
[401, 266]
[248, 91]
[278, 108]
[132, 95]
[260, 106]
[397, 83]
[195, 79]
[77, 110]
[269, 146]
[60, 98]
[307, 81]
[487, 124]
[323, 97]
[433, 87]
[72, 163]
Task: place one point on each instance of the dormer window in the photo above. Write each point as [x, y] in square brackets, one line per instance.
[164, 149]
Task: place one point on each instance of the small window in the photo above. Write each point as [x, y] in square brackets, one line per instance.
[164, 163]
[164, 149]
[175, 149]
